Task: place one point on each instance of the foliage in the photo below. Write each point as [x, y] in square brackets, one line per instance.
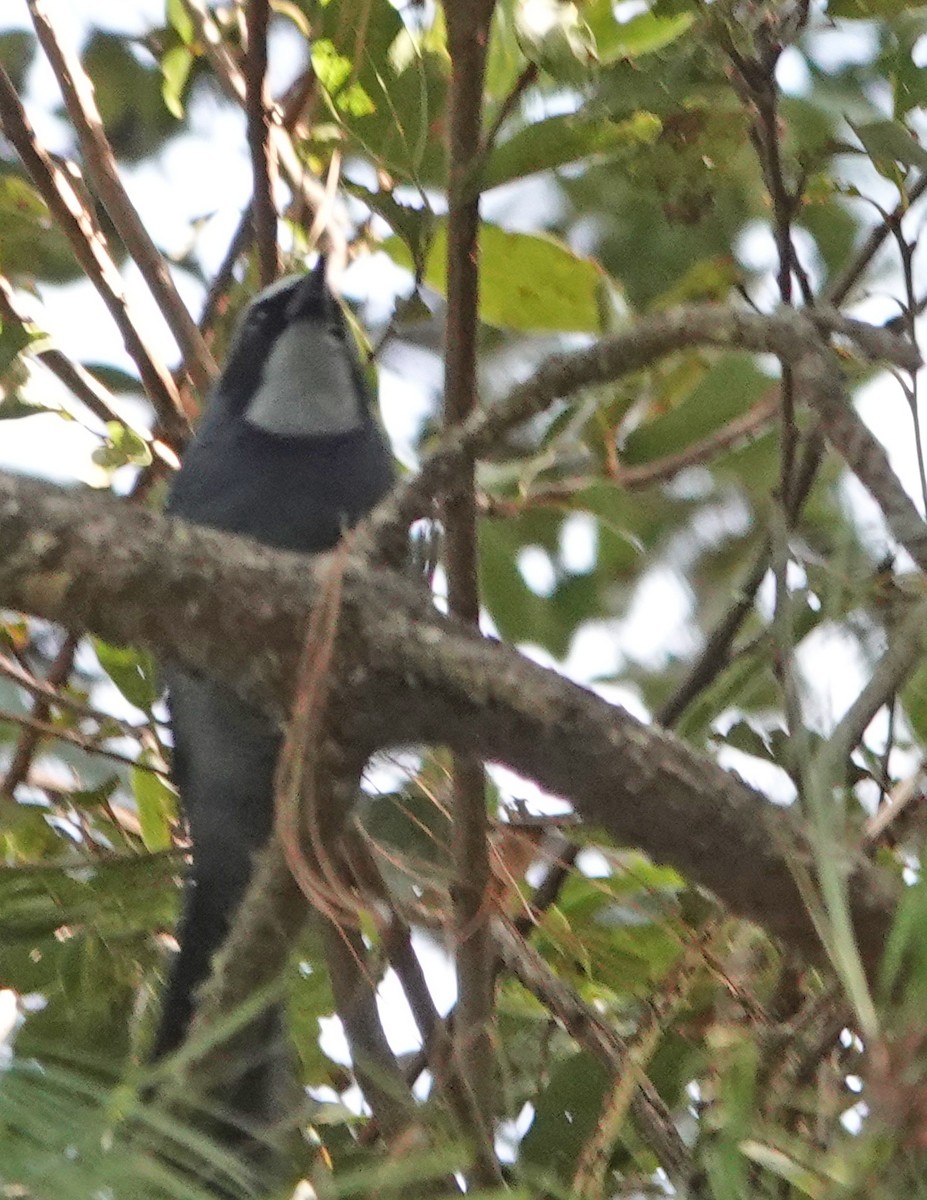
[629, 166]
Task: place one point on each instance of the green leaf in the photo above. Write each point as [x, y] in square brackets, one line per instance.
[129, 95]
[866, 10]
[552, 35]
[14, 338]
[115, 379]
[632, 39]
[13, 408]
[157, 807]
[744, 737]
[17, 50]
[903, 972]
[334, 72]
[31, 243]
[180, 20]
[889, 141]
[96, 797]
[528, 282]
[176, 65]
[565, 1115]
[287, 9]
[788, 1168]
[122, 447]
[132, 671]
[557, 141]
[725, 391]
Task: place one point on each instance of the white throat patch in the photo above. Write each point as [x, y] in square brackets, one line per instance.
[307, 387]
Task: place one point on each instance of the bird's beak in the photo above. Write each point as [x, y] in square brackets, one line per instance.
[309, 297]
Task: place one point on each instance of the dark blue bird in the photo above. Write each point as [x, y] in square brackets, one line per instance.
[288, 453]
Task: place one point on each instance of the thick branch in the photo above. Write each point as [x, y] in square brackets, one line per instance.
[238, 611]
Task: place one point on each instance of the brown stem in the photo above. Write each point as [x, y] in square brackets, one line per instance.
[29, 739]
[77, 223]
[102, 171]
[264, 213]
[468, 25]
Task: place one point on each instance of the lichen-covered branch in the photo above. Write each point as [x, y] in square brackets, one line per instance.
[405, 674]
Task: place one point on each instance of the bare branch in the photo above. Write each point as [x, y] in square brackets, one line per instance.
[264, 212]
[468, 41]
[597, 1037]
[786, 334]
[79, 382]
[35, 729]
[37, 723]
[716, 652]
[378, 1072]
[103, 173]
[77, 223]
[841, 287]
[898, 662]
[302, 183]
[818, 376]
[294, 104]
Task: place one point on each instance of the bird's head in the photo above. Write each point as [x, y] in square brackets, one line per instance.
[293, 368]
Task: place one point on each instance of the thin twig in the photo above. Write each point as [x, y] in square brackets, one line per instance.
[77, 91]
[521, 85]
[840, 288]
[599, 1039]
[303, 184]
[44, 729]
[294, 104]
[436, 1036]
[375, 1065]
[43, 689]
[263, 210]
[901, 658]
[77, 223]
[222, 281]
[78, 380]
[34, 726]
[785, 334]
[105, 860]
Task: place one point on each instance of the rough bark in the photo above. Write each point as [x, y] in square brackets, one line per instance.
[408, 675]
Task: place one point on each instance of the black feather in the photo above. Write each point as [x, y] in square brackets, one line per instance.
[296, 492]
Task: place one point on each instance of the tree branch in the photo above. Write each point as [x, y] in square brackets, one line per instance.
[77, 91]
[468, 24]
[598, 1038]
[301, 182]
[263, 165]
[77, 379]
[76, 222]
[237, 612]
[787, 334]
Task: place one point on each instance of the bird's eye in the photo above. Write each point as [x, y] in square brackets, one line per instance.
[336, 331]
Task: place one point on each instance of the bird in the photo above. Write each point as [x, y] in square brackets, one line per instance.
[288, 453]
